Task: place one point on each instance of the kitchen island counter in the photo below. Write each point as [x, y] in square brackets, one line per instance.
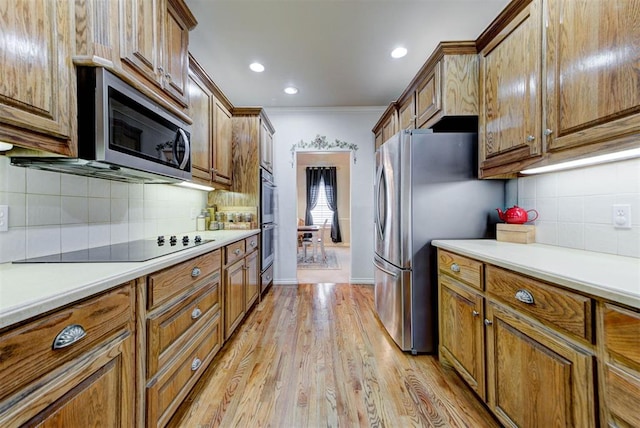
[28, 290]
[611, 277]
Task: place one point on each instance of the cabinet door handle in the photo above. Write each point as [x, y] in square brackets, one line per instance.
[161, 70]
[530, 138]
[196, 314]
[195, 272]
[68, 336]
[195, 365]
[475, 313]
[268, 278]
[525, 296]
[548, 132]
[168, 76]
[487, 322]
[455, 267]
[237, 252]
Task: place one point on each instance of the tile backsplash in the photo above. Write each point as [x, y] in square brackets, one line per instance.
[52, 212]
[576, 206]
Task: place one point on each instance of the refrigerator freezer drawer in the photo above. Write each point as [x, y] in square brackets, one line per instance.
[393, 301]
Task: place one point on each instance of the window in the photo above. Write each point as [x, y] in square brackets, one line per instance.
[322, 210]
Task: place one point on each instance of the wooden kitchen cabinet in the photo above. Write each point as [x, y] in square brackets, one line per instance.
[535, 379]
[407, 112]
[222, 145]
[201, 109]
[620, 373]
[585, 103]
[241, 282]
[523, 345]
[592, 80]
[266, 144]
[181, 332]
[38, 87]
[155, 41]
[462, 331]
[53, 375]
[510, 113]
[387, 125]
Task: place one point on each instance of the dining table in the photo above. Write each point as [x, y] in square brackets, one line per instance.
[314, 231]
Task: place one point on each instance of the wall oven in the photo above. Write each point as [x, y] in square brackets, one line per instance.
[267, 197]
[268, 245]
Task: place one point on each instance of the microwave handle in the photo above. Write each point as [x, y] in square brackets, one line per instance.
[187, 149]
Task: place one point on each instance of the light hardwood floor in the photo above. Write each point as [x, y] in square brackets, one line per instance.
[315, 355]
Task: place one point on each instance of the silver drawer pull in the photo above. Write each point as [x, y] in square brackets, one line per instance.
[455, 267]
[196, 314]
[195, 272]
[195, 365]
[524, 296]
[475, 313]
[237, 251]
[68, 336]
[487, 322]
[253, 243]
[268, 277]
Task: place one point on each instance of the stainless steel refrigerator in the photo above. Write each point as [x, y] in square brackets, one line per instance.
[426, 188]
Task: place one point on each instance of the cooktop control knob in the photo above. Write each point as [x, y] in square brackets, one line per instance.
[185, 239]
[197, 239]
[161, 240]
[173, 240]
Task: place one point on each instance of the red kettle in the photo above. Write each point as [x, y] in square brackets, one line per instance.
[516, 215]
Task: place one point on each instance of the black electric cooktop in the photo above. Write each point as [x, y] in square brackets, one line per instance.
[133, 251]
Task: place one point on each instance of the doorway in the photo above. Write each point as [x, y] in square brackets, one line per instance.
[337, 267]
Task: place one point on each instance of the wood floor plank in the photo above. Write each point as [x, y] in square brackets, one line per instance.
[316, 355]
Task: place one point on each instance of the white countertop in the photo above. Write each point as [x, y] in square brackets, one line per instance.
[27, 290]
[610, 277]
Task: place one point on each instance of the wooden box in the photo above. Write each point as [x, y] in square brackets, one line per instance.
[518, 233]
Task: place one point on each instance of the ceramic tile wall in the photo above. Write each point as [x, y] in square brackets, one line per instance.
[575, 207]
[51, 212]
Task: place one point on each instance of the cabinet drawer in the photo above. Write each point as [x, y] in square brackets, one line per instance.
[267, 278]
[169, 388]
[622, 333]
[623, 396]
[170, 282]
[559, 308]
[462, 268]
[169, 330]
[234, 252]
[251, 243]
[27, 352]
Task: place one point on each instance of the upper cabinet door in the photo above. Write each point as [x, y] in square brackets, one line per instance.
[201, 110]
[37, 89]
[175, 53]
[140, 35]
[593, 72]
[510, 102]
[223, 157]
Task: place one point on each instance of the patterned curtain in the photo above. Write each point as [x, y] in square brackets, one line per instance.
[314, 175]
[331, 187]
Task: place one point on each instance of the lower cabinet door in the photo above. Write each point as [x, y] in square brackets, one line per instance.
[95, 390]
[533, 378]
[252, 279]
[234, 303]
[462, 332]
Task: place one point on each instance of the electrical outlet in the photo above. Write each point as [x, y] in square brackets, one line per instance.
[621, 216]
[4, 218]
[194, 213]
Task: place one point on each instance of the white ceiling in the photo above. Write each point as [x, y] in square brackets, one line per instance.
[336, 52]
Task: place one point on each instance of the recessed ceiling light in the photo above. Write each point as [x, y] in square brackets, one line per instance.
[257, 67]
[290, 90]
[398, 52]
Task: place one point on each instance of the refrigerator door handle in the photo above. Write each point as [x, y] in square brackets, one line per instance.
[377, 210]
[388, 272]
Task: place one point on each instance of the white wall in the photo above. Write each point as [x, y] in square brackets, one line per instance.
[352, 125]
[575, 207]
[51, 212]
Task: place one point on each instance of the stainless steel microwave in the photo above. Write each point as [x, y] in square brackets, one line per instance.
[122, 135]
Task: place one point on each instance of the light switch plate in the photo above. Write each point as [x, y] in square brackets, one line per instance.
[4, 218]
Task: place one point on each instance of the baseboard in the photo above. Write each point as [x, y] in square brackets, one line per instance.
[285, 282]
[364, 281]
